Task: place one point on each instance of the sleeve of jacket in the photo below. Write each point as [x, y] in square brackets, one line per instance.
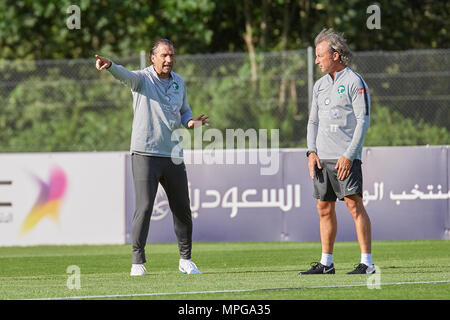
[361, 108]
[313, 122]
[185, 111]
[131, 79]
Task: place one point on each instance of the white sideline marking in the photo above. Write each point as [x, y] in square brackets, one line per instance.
[235, 291]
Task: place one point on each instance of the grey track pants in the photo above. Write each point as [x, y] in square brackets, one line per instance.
[148, 171]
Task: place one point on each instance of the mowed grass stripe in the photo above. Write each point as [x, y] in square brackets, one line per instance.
[369, 286]
[40, 272]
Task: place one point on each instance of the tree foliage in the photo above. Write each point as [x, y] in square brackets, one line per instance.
[58, 110]
[36, 29]
[31, 29]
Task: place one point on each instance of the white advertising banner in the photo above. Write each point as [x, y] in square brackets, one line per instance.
[62, 198]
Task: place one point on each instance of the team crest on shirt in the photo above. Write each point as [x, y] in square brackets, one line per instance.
[175, 85]
[341, 89]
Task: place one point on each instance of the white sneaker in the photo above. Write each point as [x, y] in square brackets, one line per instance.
[189, 267]
[138, 270]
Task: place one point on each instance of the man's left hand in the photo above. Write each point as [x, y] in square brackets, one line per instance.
[198, 121]
[343, 167]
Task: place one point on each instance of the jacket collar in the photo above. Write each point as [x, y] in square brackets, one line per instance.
[153, 72]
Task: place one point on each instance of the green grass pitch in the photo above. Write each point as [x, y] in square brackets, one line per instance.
[418, 270]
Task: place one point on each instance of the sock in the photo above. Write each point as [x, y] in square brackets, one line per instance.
[327, 259]
[366, 258]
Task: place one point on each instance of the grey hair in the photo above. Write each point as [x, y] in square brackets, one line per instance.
[337, 43]
[161, 41]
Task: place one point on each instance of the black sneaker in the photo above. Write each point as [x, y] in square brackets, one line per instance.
[318, 268]
[362, 269]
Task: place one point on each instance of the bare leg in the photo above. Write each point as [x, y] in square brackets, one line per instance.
[328, 224]
[362, 222]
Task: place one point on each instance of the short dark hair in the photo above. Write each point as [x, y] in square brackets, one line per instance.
[161, 41]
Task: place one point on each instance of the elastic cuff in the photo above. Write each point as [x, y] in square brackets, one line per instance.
[351, 158]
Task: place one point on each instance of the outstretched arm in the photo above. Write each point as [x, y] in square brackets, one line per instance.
[131, 79]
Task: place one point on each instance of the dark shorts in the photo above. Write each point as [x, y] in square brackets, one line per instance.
[327, 186]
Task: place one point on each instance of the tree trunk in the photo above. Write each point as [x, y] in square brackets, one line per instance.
[248, 38]
[284, 41]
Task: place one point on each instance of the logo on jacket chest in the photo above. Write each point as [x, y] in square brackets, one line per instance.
[341, 89]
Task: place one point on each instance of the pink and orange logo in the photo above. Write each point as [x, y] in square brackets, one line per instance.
[49, 199]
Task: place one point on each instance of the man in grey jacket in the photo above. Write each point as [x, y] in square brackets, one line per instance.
[160, 107]
[338, 120]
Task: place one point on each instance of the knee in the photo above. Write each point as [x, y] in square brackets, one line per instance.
[356, 208]
[324, 209]
[144, 207]
[353, 208]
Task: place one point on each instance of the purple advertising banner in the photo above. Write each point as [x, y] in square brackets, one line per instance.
[405, 192]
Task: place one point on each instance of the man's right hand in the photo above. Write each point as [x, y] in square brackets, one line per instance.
[102, 63]
[313, 161]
